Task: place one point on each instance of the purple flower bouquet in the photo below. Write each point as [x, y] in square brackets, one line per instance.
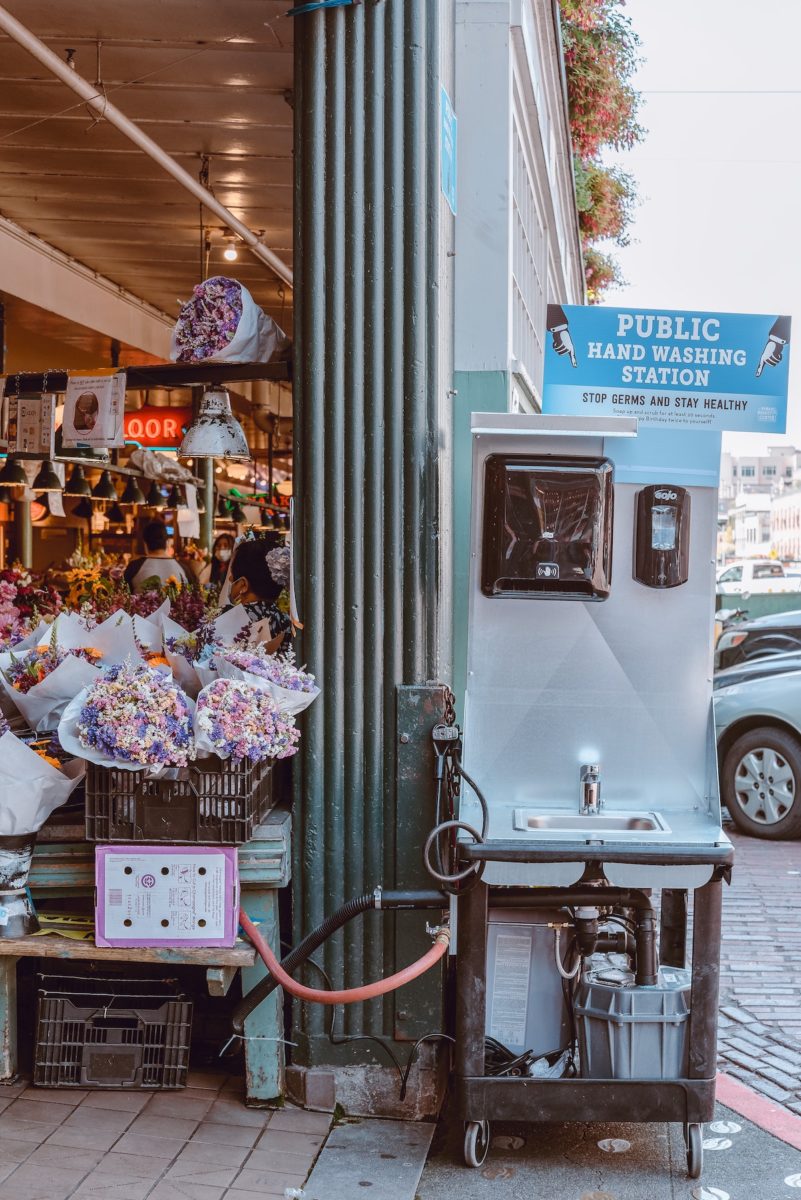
[291, 688]
[133, 717]
[237, 720]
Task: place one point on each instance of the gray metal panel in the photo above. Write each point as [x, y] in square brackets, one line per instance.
[371, 456]
[387, 1156]
[625, 682]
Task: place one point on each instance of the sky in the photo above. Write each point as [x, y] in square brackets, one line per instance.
[719, 169]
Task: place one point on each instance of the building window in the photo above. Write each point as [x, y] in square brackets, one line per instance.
[747, 472]
[529, 257]
[769, 469]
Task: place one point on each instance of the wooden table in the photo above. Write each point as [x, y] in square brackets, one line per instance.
[64, 868]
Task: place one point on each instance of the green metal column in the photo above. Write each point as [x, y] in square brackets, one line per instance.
[373, 474]
[23, 528]
[207, 518]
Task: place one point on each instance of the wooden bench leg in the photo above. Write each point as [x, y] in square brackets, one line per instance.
[8, 1017]
[264, 1028]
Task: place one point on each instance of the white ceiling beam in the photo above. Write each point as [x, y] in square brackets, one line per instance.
[34, 271]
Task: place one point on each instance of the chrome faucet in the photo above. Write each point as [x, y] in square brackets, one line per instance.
[590, 802]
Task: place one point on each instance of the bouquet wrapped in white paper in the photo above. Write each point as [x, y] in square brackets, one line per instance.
[31, 787]
[221, 322]
[292, 689]
[132, 717]
[42, 681]
[237, 720]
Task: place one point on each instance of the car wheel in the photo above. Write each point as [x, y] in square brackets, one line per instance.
[761, 783]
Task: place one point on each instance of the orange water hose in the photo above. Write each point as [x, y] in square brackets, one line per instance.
[367, 991]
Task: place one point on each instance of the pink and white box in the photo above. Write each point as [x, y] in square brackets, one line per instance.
[171, 896]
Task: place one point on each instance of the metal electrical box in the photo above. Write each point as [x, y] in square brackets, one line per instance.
[525, 1001]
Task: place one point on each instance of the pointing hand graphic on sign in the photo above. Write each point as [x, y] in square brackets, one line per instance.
[778, 338]
[558, 328]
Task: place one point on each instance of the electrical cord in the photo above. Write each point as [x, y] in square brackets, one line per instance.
[427, 1037]
[348, 1039]
[403, 1072]
[473, 872]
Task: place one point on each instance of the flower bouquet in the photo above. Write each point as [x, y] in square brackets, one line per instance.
[122, 637]
[222, 322]
[42, 681]
[32, 785]
[237, 720]
[131, 717]
[292, 689]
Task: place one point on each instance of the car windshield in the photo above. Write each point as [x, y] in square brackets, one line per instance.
[733, 575]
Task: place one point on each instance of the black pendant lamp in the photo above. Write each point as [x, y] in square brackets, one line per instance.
[104, 489]
[77, 484]
[83, 509]
[175, 499]
[132, 493]
[238, 515]
[47, 480]
[155, 497]
[115, 515]
[12, 474]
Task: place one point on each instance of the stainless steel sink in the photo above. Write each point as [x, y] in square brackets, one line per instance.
[579, 825]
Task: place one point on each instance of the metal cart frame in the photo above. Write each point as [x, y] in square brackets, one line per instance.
[481, 1098]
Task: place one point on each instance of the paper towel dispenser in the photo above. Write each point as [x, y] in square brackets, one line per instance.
[547, 527]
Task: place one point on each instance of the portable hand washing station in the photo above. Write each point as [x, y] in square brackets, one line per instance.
[589, 736]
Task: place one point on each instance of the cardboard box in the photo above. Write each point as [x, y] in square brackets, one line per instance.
[176, 896]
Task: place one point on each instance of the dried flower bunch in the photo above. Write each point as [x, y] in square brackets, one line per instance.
[239, 720]
[136, 714]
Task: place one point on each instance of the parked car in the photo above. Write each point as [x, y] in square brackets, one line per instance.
[755, 576]
[758, 668]
[777, 633]
[758, 723]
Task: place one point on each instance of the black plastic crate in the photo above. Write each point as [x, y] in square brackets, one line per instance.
[213, 802]
[111, 1033]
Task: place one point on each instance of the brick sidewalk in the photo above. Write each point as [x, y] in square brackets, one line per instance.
[760, 987]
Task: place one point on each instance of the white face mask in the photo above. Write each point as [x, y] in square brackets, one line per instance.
[224, 555]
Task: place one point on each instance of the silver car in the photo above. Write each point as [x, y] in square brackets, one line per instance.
[758, 721]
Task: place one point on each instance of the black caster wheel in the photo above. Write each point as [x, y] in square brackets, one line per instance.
[476, 1142]
[694, 1140]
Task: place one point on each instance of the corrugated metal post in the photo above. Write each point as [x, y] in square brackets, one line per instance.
[372, 441]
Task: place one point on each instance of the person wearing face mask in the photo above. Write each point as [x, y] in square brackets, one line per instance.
[214, 572]
[253, 584]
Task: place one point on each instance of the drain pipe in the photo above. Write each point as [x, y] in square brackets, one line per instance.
[109, 112]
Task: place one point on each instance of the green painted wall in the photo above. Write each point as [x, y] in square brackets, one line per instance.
[476, 391]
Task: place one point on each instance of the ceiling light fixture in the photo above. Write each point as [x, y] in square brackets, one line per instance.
[12, 474]
[230, 253]
[215, 432]
[104, 489]
[83, 509]
[132, 493]
[115, 515]
[155, 497]
[47, 480]
[76, 484]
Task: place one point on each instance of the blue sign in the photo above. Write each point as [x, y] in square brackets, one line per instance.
[447, 151]
[711, 371]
